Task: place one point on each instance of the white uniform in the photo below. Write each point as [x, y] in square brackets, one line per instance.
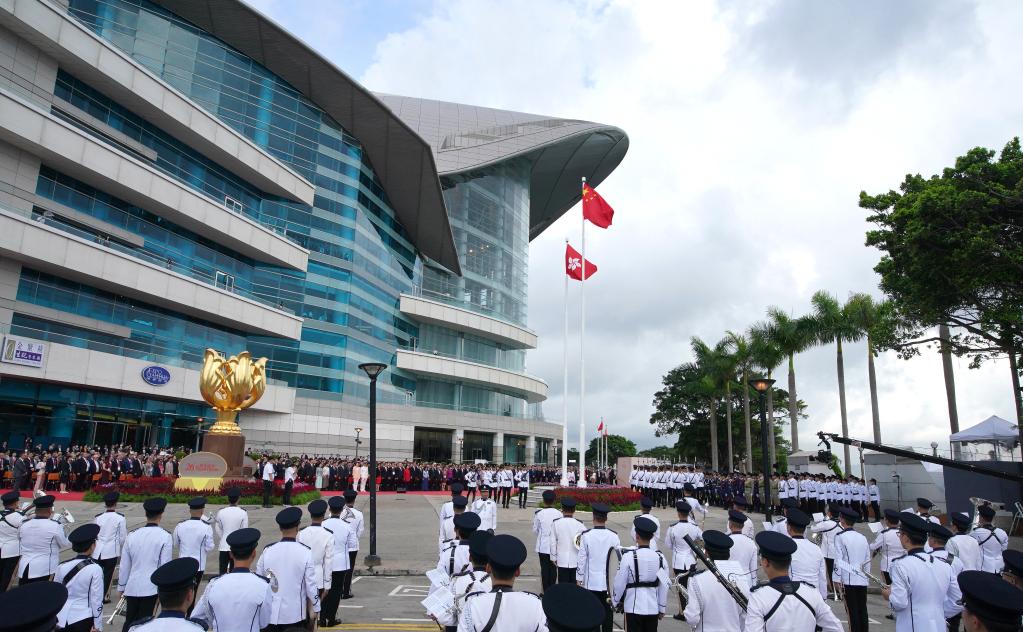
[747, 528]
[828, 529]
[353, 517]
[84, 592]
[781, 525]
[167, 622]
[239, 601]
[292, 565]
[146, 549]
[657, 533]
[595, 545]
[542, 519]
[563, 532]
[113, 532]
[788, 607]
[808, 565]
[42, 540]
[516, 612]
[992, 542]
[744, 552]
[461, 585]
[851, 546]
[10, 541]
[920, 589]
[682, 557]
[229, 520]
[321, 552]
[454, 558]
[447, 533]
[711, 608]
[344, 541]
[447, 510]
[955, 594]
[486, 509]
[966, 549]
[888, 543]
[698, 513]
[641, 584]
[194, 538]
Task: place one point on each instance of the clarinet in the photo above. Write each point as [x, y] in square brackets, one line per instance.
[733, 591]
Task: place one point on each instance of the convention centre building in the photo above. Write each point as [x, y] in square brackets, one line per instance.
[179, 175]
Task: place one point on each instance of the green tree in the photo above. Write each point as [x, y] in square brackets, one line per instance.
[952, 254]
[791, 336]
[767, 356]
[661, 453]
[617, 446]
[742, 358]
[716, 371]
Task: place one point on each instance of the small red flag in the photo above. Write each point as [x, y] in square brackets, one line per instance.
[600, 427]
[574, 264]
[595, 208]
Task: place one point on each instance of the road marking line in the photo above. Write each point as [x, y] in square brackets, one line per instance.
[416, 620]
[355, 579]
[351, 606]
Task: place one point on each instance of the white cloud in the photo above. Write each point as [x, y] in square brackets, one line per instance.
[752, 131]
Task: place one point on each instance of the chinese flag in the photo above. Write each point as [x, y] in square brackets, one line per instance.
[595, 208]
[574, 264]
[600, 427]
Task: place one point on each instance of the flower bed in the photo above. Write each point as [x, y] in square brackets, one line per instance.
[138, 490]
[618, 498]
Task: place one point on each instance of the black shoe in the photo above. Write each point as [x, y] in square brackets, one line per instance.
[348, 596]
[890, 616]
[679, 617]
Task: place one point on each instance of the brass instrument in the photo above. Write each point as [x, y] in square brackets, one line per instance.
[347, 515]
[577, 541]
[119, 609]
[977, 503]
[272, 579]
[676, 583]
[207, 518]
[64, 517]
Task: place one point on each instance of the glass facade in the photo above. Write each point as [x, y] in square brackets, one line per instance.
[477, 445]
[515, 448]
[432, 445]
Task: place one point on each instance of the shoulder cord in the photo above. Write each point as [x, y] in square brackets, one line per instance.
[493, 613]
[781, 598]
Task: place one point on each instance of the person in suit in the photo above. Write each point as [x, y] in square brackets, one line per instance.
[21, 471]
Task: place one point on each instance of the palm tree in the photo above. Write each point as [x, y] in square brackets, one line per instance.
[791, 336]
[712, 363]
[767, 356]
[833, 323]
[727, 366]
[866, 316]
[742, 358]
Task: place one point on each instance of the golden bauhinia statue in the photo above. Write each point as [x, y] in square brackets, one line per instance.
[230, 385]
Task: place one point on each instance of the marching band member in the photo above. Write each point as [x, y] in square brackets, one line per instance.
[646, 505]
[454, 557]
[991, 539]
[42, 540]
[447, 530]
[920, 588]
[641, 584]
[354, 518]
[194, 538]
[447, 509]
[571, 609]
[145, 550]
[828, 528]
[743, 550]
[113, 532]
[344, 541]
[175, 582]
[291, 563]
[228, 520]
[989, 604]
[783, 605]
[888, 544]
[503, 609]
[739, 504]
[683, 560]
[542, 519]
[486, 508]
[851, 548]
[83, 578]
[595, 546]
[807, 563]
[938, 536]
[1013, 570]
[962, 544]
[320, 541]
[711, 608]
[563, 532]
[10, 542]
[475, 579]
[240, 600]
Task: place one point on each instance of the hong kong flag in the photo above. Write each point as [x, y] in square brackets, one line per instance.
[595, 208]
[574, 264]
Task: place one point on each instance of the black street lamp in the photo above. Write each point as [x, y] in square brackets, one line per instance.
[461, 449]
[762, 385]
[373, 370]
[358, 431]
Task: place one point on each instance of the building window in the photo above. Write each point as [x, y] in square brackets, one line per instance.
[429, 444]
[541, 450]
[478, 446]
[515, 448]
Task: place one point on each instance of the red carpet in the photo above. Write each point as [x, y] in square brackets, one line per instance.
[77, 496]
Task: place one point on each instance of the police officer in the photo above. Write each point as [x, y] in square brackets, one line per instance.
[542, 520]
[780, 604]
[238, 601]
[1012, 572]
[32, 608]
[354, 518]
[563, 531]
[571, 609]
[962, 544]
[595, 546]
[486, 508]
[646, 506]
[683, 560]
[475, 579]
[641, 584]
[194, 538]
[938, 537]
[743, 550]
[83, 578]
[320, 541]
[175, 582]
[447, 529]
[991, 539]
[852, 552]
[808, 561]
[739, 504]
[829, 528]
[113, 532]
[711, 608]
[454, 557]
[920, 584]
[344, 540]
[503, 609]
[145, 550]
[989, 604]
[888, 544]
[42, 540]
[292, 567]
[448, 509]
[228, 520]
[10, 542]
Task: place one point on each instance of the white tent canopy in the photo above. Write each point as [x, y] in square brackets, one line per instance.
[994, 428]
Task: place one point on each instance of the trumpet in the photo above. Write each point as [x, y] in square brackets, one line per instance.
[64, 517]
[272, 579]
[207, 518]
[119, 609]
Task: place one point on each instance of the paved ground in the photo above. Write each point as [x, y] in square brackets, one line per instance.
[406, 542]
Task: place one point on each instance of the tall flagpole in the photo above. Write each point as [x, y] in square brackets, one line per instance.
[582, 359]
[564, 413]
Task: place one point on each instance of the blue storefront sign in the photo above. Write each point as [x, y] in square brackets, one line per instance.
[156, 375]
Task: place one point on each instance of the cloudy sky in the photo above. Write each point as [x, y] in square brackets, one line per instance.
[753, 128]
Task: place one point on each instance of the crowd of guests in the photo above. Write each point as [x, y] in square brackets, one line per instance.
[78, 468]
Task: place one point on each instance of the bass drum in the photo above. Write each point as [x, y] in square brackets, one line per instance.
[614, 561]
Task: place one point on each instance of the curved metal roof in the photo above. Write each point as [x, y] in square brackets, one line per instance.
[401, 159]
[466, 138]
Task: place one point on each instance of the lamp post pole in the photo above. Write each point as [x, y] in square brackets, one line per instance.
[461, 450]
[373, 370]
[762, 385]
[358, 431]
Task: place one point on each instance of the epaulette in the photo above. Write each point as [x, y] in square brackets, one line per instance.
[536, 511]
[556, 519]
[578, 520]
[759, 586]
[900, 557]
[526, 592]
[584, 532]
[326, 529]
[475, 593]
[199, 622]
[142, 621]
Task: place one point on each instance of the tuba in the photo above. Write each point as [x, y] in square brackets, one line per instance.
[977, 503]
